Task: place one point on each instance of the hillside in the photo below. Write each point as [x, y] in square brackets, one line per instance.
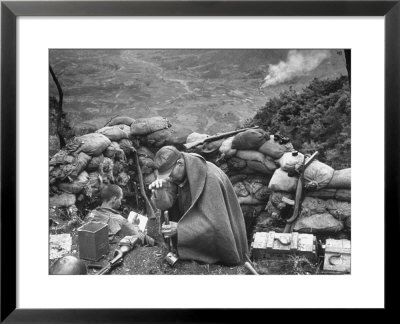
[317, 118]
[207, 91]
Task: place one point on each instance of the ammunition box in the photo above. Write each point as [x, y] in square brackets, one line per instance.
[337, 256]
[279, 245]
[93, 241]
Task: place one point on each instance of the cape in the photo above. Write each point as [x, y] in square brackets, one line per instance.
[212, 230]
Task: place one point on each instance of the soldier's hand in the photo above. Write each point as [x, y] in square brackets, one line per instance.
[157, 184]
[169, 230]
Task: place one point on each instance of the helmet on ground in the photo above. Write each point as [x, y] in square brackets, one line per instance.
[68, 265]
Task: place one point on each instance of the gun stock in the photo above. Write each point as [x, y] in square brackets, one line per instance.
[216, 137]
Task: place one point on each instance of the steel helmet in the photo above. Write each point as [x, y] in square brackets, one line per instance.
[68, 265]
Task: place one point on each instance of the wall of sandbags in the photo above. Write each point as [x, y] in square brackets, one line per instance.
[262, 167]
[264, 170]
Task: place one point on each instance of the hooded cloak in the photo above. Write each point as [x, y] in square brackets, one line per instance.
[212, 230]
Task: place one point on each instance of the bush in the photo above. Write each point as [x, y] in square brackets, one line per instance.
[316, 118]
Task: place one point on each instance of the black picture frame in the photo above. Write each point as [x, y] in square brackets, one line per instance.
[11, 10]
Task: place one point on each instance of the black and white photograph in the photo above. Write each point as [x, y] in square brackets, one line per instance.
[199, 161]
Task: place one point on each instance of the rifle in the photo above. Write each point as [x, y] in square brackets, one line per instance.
[126, 245]
[299, 193]
[217, 137]
[149, 209]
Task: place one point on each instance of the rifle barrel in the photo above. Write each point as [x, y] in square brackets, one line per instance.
[217, 137]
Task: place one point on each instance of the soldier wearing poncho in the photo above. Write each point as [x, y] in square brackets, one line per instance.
[207, 223]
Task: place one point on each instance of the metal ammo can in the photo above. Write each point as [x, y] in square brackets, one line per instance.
[93, 240]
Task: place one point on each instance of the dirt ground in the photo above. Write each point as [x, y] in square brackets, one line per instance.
[150, 260]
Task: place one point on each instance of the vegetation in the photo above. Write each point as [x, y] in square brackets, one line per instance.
[318, 118]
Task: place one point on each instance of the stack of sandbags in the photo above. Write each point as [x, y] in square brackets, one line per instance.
[78, 171]
[323, 216]
[252, 190]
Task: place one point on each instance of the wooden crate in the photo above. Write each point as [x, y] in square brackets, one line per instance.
[280, 245]
[337, 256]
[259, 245]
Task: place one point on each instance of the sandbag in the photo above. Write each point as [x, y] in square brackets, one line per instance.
[106, 169]
[236, 163]
[144, 126]
[158, 138]
[250, 155]
[280, 181]
[263, 194]
[121, 120]
[194, 137]
[273, 211]
[226, 147]
[237, 177]
[144, 151]
[240, 189]
[273, 149]
[323, 193]
[270, 164]
[118, 168]
[60, 172]
[75, 186]
[341, 179]
[339, 209]
[114, 151]
[115, 133]
[318, 223]
[146, 162]
[313, 206]
[126, 146]
[149, 178]
[211, 148]
[249, 200]
[93, 144]
[80, 163]
[248, 171]
[317, 175]
[177, 135]
[250, 139]
[122, 179]
[254, 183]
[94, 163]
[343, 195]
[93, 186]
[61, 157]
[291, 161]
[266, 167]
[277, 199]
[73, 144]
[63, 200]
[326, 193]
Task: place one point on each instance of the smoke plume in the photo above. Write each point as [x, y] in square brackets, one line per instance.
[298, 63]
